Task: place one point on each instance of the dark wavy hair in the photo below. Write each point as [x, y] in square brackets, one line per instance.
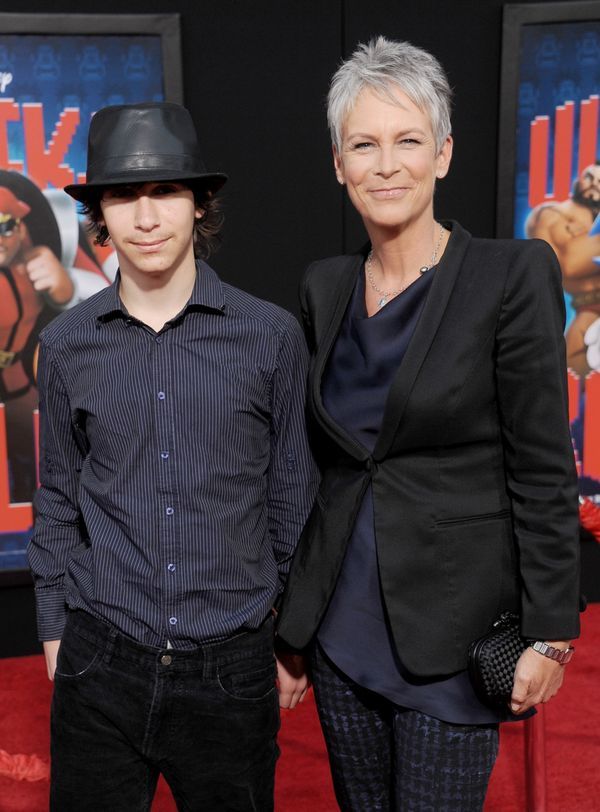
[207, 229]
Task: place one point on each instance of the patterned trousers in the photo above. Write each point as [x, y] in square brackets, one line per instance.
[384, 757]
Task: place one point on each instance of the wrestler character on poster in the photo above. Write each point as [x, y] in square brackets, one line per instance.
[34, 286]
[571, 228]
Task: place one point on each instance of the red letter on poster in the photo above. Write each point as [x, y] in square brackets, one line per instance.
[46, 166]
[9, 111]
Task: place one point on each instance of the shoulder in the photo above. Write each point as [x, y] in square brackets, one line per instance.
[263, 314]
[515, 259]
[82, 317]
[324, 275]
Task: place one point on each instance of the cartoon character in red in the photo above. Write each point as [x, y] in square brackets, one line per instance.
[34, 287]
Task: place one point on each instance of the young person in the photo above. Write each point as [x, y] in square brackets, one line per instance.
[175, 480]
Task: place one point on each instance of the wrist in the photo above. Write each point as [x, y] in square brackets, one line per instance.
[560, 651]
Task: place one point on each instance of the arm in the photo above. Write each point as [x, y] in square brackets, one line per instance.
[575, 252]
[57, 526]
[293, 477]
[539, 464]
[292, 487]
[47, 275]
[65, 288]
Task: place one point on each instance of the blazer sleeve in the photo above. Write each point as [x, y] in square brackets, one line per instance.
[304, 297]
[539, 460]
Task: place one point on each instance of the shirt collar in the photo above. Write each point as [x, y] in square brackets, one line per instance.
[207, 293]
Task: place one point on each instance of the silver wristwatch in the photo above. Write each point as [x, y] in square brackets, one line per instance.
[561, 656]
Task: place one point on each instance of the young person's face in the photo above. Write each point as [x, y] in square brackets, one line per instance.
[151, 225]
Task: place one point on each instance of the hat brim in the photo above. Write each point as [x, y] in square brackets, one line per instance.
[212, 181]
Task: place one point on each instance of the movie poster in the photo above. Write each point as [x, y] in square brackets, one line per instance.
[557, 198]
[50, 85]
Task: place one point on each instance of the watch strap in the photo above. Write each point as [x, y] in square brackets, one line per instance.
[562, 656]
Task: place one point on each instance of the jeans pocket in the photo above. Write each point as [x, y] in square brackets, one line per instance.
[244, 680]
[78, 656]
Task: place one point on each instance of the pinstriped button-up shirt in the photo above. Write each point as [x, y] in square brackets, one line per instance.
[174, 466]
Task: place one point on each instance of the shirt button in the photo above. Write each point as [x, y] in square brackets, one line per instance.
[159, 339]
[173, 621]
[164, 455]
[170, 511]
[166, 659]
[161, 396]
[171, 567]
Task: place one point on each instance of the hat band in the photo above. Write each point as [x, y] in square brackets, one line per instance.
[125, 165]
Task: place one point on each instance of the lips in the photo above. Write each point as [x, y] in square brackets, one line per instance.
[389, 194]
[149, 247]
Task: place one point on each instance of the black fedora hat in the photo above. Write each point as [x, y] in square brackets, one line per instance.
[140, 143]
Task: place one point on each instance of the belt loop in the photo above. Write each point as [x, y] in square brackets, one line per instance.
[110, 645]
[207, 662]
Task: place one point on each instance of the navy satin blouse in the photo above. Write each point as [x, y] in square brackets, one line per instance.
[354, 633]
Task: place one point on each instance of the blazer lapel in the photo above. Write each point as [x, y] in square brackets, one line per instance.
[433, 310]
[347, 281]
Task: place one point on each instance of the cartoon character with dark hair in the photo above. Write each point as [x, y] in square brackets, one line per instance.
[571, 227]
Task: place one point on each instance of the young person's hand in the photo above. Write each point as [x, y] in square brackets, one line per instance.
[292, 679]
[50, 653]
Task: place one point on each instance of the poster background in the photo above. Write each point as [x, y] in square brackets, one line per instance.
[550, 56]
[64, 73]
[558, 62]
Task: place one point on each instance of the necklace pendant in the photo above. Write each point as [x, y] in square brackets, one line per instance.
[382, 302]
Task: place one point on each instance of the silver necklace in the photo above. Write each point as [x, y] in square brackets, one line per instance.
[390, 294]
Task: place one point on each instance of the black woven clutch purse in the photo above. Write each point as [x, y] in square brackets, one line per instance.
[493, 659]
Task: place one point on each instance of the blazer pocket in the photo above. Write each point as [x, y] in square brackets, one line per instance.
[476, 556]
[466, 520]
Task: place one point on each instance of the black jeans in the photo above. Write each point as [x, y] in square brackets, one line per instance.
[123, 712]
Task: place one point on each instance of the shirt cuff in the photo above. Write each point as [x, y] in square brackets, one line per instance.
[51, 613]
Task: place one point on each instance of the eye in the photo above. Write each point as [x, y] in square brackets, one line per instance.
[409, 142]
[166, 188]
[119, 192]
[361, 145]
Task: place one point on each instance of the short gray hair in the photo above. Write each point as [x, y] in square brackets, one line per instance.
[381, 64]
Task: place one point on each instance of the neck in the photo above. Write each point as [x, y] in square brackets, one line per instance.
[399, 253]
[155, 298]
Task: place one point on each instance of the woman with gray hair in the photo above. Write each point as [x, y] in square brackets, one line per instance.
[437, 402]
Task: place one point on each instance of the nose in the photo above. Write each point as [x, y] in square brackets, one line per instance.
[146, 213]
[389, 162]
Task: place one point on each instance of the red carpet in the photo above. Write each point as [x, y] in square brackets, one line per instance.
[303, 783]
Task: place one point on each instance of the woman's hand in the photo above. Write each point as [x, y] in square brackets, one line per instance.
[537, 679]
[292, 679]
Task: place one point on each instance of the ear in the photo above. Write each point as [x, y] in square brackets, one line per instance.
[199, 213]
[338, 165]
[444, 158]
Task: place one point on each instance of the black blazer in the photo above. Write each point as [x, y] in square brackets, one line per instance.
[474, 485]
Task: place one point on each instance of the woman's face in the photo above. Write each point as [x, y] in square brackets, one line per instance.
[388, 160]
